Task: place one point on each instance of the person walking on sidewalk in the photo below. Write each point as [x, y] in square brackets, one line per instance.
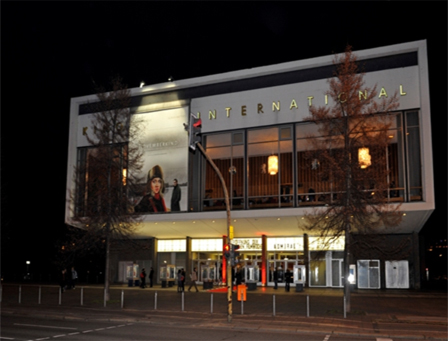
[74, 278]
[193, 278]
[179, 280]
[287, 279]
[143, 279]
[183, 279]
[151, 276]
[275, 278]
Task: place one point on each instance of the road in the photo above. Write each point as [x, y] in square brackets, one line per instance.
[39, 329]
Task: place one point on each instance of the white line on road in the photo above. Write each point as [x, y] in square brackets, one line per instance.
[6, 338]
[41, 326]
[383, 339]
[327, 338]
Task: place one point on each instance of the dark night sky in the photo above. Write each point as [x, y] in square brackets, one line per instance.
[52, 51]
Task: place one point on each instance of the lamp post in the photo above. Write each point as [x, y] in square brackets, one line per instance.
[27, 275]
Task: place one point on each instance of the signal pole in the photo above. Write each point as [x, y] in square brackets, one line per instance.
[194, 131]
[229, 232]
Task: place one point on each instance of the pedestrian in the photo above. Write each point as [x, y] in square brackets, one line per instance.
[63, 279]
[288, 275]
[175, 197]
[183, 279]
[151, 275]
[193, 278]
[239, 276]
[179, 280]
[74, 278]
[143, 279]
[275, 278]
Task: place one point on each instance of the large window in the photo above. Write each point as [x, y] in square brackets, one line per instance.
[227, 152]
[270, 167]
[93, 182]
[274, 167]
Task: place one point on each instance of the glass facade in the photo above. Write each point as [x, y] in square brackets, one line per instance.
[274, 167]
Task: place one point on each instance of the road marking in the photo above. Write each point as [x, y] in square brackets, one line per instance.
[383, 339]
[74, 333]
[62, 335]
[42, 326]
[327, 338]
[6, 338]
[88, 331]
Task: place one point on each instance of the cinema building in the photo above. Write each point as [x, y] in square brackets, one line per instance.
[247, 117]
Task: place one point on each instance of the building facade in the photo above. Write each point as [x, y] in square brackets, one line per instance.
[247, 117]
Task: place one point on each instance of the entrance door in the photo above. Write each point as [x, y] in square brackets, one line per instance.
[337, 272]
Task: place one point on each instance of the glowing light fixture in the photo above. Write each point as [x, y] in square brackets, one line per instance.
[125, 173]
[364, 157]
[273, 164]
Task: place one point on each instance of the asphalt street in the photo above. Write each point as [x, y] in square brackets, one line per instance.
[377, 314]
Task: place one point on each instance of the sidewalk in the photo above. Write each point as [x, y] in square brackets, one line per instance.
[378, 313]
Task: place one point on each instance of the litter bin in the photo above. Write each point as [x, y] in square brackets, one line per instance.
[251, 286]
[241, 291]
[208, 285]
[130, 282]
[137, 282]
[299, 287]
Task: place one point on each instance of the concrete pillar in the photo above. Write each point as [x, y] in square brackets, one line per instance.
[306, 256]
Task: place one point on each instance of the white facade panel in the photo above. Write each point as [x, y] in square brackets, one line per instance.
[291, 103]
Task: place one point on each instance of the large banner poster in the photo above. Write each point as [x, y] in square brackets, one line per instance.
[165, 154]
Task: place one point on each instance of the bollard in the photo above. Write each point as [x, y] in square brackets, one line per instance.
[122, 299]
[82, 296]
[242, 303]
[307, 306]
[105, 297]
[20, 294]
[182, 301]
[211, 304]
[60, 295]
[40, 294]
[273, 305]
[1, 293]
[155, 301]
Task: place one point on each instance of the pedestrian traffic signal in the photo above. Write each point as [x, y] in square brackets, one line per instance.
[194, 131]
[234, 253]
[227, 251]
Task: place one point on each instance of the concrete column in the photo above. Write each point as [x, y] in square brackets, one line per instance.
[264, 265]
[416, 261]
[306, 255]
[188, 256]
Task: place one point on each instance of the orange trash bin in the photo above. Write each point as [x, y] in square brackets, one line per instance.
[241, 292]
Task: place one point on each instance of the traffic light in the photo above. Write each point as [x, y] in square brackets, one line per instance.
[234, 253]
[227, 251]
[194, 131]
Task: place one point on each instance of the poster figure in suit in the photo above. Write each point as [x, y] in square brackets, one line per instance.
[175, 197]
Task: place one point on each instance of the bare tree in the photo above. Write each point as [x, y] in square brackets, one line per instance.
[106, 176]
[349, 153]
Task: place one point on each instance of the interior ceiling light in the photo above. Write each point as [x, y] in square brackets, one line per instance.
[364, 158]
[273, 164]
